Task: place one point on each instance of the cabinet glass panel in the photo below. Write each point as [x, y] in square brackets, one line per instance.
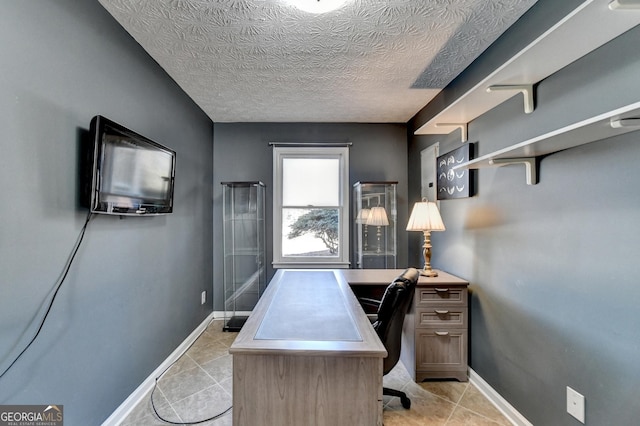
[375, 217]
[244, 250]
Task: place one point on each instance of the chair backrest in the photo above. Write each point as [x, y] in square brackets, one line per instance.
[393, 308]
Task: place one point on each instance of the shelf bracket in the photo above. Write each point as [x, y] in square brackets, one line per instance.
[625, 122]
[531, 166]
[624, 5]
[464, 135]
[525, 89]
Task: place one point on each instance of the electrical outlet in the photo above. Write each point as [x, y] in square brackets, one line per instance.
[575, 404]
[203, 297]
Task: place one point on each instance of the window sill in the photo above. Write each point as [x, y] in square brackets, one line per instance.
[311, 265]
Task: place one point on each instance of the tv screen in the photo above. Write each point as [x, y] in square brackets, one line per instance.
[128, 174]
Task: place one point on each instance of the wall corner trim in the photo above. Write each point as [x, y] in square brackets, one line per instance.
[141, 391]
[497, 400]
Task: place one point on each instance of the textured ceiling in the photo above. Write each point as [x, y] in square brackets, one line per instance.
[377, 61]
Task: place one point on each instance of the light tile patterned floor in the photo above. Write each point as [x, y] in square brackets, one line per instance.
[198, 387]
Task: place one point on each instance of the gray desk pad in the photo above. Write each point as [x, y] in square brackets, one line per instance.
[308, 305]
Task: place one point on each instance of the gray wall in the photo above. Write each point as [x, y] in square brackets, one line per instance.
[554, 270]
[242, 152]
[133, 293]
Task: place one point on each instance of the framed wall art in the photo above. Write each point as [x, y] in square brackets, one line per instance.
[455, 183]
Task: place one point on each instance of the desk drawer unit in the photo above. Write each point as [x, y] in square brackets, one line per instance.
[441, 324]
[441, 296]
[442, 318]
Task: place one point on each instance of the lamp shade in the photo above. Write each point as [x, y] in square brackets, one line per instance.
[425, 216]
[378, 217]
[363, 215]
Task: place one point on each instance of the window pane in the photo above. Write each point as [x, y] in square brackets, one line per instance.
[310, 182]
[310, 232]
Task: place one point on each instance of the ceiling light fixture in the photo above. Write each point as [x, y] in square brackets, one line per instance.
[317, 6]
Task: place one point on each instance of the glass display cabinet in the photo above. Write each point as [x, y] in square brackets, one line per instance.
[244, 268]
[375, 217]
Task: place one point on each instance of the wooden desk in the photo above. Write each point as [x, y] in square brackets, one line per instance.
[435, 333]
[307, 355]
[370, 277]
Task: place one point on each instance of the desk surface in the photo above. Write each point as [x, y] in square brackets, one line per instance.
[308, 312]
[313, 308]
[386, 276]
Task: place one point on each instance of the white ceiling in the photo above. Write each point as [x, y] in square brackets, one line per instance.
[376, 61]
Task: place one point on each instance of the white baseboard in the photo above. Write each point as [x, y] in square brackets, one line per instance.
[141, 391]
[136, 397]
[497, 400]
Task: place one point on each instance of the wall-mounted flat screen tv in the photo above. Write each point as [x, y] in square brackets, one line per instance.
[127, 174]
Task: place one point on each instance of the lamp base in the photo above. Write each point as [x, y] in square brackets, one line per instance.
[426, 254]
[428, 273]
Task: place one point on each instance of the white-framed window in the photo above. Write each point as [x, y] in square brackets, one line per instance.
[310, 207]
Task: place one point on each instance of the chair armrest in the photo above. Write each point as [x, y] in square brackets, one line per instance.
[369, 302]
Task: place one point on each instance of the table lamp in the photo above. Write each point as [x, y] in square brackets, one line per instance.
[378, 217]
[362, 217]
[425, 217]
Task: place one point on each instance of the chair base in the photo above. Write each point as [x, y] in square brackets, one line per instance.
[404, 400]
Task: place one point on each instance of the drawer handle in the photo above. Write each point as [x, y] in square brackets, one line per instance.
[442, 333]
[441, 290]
[441, 312]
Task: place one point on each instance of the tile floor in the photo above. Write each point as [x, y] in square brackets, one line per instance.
[198, 387]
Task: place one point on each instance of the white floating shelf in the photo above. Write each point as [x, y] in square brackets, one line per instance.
[583, 30]
[616, 122]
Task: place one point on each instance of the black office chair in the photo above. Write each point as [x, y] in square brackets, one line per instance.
[390, 318]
